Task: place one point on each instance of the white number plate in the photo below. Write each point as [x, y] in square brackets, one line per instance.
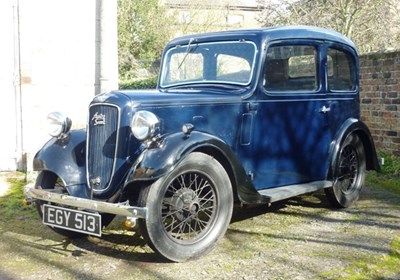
[70, 219]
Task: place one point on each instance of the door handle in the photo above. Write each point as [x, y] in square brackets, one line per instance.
[324, 109]
[252, 106]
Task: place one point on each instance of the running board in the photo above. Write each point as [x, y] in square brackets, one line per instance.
[284, 192]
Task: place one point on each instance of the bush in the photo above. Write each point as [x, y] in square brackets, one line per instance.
[150, 83]
[391, 166]
[389, 178]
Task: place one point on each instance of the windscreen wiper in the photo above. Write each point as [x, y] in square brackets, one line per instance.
[188, 50]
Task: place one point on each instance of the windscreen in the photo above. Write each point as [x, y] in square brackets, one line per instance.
[218, 62]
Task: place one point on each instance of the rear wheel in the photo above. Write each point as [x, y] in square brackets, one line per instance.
[50, 181]
[349, 173]
[189, 209]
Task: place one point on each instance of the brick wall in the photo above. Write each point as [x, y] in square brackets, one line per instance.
[380, 98]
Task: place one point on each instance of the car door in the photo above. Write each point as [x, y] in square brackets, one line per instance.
[290, 136]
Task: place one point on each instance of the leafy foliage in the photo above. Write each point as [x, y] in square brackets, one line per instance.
[149, 83]
[143, 30]
[389, 177]
[391, 166]
[371, 24]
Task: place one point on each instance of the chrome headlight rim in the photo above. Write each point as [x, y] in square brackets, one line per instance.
[145, 125]
[58, 125]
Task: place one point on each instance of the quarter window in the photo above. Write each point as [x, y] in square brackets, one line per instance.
[341, 71]
[291, 68]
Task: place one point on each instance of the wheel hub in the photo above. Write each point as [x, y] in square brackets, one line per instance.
[185, 204]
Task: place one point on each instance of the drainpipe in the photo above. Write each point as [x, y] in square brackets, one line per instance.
[21, 162]
[106, 71]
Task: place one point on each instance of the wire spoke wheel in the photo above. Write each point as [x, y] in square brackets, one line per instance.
[189, 209]
[349, 173]
[189, 206]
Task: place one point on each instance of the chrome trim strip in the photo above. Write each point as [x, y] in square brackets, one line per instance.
[121, 209]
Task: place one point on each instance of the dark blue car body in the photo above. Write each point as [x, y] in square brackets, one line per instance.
[274, 139]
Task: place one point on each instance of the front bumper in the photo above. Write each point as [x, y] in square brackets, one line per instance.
[121, 209]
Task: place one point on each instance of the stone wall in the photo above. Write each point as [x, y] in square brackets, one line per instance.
[380, 98]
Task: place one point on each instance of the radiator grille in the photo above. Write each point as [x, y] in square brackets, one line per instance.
[101, 145]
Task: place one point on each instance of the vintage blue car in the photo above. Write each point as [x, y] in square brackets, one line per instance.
[246, 116]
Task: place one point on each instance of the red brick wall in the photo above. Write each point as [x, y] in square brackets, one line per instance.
[380, 99]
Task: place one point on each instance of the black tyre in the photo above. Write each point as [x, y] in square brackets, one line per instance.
[189, 210]
[349, 173]
[48, 180]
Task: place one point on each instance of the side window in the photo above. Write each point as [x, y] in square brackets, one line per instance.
[341, 70]
[291, 68]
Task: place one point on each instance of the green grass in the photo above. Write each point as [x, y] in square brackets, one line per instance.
[385, 183]
[11, 205]
[383, 267]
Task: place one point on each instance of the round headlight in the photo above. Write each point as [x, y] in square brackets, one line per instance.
[58, 124]
[144, 125]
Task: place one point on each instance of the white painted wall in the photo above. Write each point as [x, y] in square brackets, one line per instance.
[57, 64]
[60, 57]
[8, 148]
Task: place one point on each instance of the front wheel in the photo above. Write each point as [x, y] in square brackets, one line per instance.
[349, 173]
[189, 210]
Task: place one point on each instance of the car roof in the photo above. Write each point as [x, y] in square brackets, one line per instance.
[270, 34]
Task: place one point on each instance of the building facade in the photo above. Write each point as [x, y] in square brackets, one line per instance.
[194, 16]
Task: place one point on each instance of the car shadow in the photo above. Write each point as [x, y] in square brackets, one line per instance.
[130, 245]
[312, 200]
[122, 245]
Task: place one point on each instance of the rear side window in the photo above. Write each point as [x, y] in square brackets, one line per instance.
[291, 68]
[341, 70]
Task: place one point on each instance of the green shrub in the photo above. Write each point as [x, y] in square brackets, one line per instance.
[150, 83]
[389, 177]
[391, 165]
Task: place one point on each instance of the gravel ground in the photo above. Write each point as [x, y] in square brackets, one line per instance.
[300, 238]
